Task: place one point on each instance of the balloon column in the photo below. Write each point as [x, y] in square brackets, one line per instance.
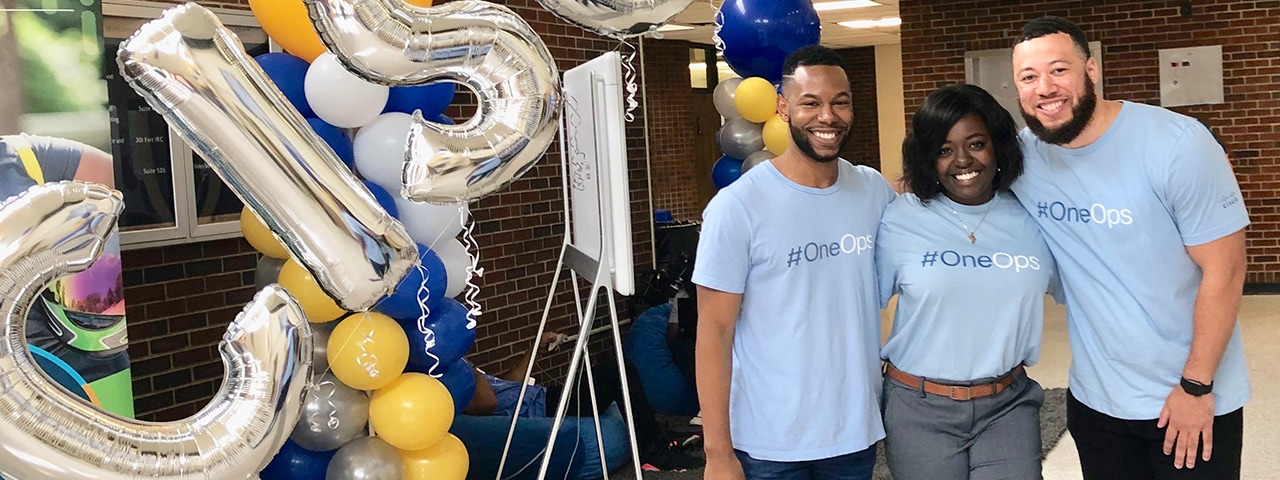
[756, 36]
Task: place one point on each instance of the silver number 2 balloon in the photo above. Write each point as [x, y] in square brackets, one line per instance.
[484, 46]
[196, 73]
[57, 229]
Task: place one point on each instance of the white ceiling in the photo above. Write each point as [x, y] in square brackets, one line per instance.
[701, 16]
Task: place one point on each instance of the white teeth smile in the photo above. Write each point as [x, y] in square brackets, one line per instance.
[964, 177]
[1052, 106]
[825, 135]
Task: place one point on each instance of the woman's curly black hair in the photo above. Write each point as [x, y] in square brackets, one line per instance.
[931, 124]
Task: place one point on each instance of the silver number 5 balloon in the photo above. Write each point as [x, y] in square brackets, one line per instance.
[57, 229]
[484, 46]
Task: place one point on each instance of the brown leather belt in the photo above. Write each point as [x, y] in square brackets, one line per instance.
[955, 392]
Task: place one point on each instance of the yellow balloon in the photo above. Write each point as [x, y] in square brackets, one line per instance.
[368, 351]
[412, 413]
[756, 99]
[320, 308]
[287, 22]
[420, 3]
[777, 135]
[260, 237]
[446, 460]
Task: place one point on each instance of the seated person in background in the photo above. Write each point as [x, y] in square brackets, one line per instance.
[497, 395]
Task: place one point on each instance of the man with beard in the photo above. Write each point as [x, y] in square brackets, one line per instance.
[788, 325]
[1146, 221]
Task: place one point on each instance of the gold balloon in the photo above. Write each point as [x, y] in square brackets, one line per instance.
[260, 237]
[320, 308]
[412, 413]
[287, 22]
[446, 460]
[777, 135]
[756, 99]
[368, 351]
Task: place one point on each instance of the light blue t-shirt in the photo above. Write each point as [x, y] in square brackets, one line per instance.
[1117, 215]
[806, 368]
[966, 311]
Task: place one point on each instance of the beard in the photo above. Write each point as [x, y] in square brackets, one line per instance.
[1080, 116]
[801, 138]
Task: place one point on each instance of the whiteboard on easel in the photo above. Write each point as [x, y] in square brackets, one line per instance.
[595, 166]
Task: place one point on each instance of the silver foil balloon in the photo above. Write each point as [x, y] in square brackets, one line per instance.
[333, 415]
[484, 46]
[617, 18]
[367, 458]
[196, 73]
[57, 229]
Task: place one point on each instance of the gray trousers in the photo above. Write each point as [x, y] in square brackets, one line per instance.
[929, 437]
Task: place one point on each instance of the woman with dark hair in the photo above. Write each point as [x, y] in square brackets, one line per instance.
[970, 269]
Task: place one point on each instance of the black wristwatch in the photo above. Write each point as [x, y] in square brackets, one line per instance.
[1196, 389]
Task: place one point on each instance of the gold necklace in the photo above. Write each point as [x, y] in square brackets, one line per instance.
[972, 233]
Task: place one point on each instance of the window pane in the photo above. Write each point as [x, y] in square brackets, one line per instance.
[697, 68]
[140, 145]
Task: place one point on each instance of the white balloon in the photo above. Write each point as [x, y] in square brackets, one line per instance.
[429, 224]
[379, 150]
[340, 98]
[456, 261]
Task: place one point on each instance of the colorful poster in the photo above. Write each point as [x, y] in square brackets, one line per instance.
[54, 127]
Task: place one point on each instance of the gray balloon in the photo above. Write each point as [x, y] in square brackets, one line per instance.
[756, 159]
[366, 458]
[739, 138]
[723, 96]
[333, 415]
[320, 349]
[267, 272]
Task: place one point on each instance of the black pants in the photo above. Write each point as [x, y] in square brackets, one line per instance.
[609, 390]
[1111, 448]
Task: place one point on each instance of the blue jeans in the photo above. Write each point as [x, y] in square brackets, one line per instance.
[852, 466]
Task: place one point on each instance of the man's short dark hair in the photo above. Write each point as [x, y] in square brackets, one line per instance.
[1049, 25]
[931, 125]
[812, 55]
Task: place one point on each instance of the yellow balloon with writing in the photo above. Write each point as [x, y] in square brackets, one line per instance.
[260, 237]
[319, 306]
[287, 22]
[368, 351]
[413, 412]
[446, 460]
[777, 135]
[756, 99]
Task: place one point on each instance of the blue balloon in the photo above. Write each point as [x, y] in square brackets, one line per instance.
[442, 118]
[461, 382]
[432, 99]
[297, 463]
[759, 34]
[385, 199]
[337, 140]
[448, 341]
[725, 171]
[402, 305]
[288, 73]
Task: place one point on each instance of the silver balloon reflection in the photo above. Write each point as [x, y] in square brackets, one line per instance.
[367, 458]
[617, 18]
[484, 46]
[196, 73]
[57, 229]
[333, 415]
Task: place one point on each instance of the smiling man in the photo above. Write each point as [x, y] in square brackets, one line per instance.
[1141, 210]
[788, 321]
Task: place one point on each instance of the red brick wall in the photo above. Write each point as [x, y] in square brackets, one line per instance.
[671, 129]
[864, 142]
[935, 36]
[181, 298]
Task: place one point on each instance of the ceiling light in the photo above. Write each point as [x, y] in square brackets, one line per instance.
[843, 5]
[880, 23]
[671, 27]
